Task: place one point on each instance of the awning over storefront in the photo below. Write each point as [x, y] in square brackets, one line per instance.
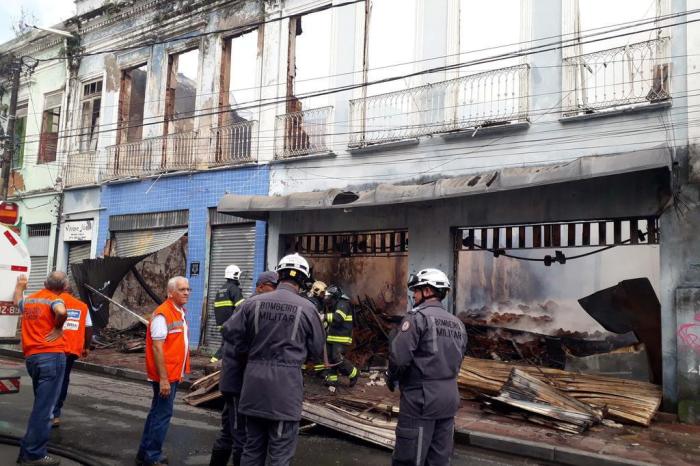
[259, 207]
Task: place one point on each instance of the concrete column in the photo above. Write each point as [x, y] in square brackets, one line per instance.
[273, 82]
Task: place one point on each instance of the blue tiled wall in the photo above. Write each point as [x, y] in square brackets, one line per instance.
[196, 192]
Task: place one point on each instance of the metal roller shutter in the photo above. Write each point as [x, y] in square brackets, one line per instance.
[145, 242]
[37, 273]
[231, 244]
[77, 252]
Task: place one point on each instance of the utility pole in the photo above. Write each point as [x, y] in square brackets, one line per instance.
[10, 148]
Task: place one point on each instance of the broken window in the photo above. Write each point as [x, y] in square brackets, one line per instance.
[50, 124]
[132, 98]
[305, 125]
[391, 44]
[181, 91]
[240, 71]
[310, 40]
[90, 116]
[618, 59]
[20, 133]
[493, 92]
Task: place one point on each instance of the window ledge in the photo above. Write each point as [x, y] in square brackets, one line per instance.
[622, 111]
[486, 131]
[317, 155]
[382, 146]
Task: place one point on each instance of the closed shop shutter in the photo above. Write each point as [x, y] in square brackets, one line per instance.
[77, 252]
[38, 273]
[230, 244]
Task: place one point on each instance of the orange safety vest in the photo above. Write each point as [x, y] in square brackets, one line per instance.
[38, 319]
[177, 355]
[74, 327]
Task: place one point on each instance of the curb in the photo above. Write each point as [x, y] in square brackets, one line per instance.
[128, 374]
[541, 451]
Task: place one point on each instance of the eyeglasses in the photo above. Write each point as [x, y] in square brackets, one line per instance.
[182, 290]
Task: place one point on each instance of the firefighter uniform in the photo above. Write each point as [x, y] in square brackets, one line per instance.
[339, 337]
[426, 355]
[227, 298]
[277, 331]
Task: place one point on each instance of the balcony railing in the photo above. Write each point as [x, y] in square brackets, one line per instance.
[233, 144]
[494, 97]
[623, 76]
[302, 133]
[81, 169]
[152, 156]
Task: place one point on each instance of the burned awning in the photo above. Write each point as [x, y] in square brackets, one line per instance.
[259, 207]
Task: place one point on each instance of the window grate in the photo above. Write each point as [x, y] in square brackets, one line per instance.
[39, 229]
[352, 244]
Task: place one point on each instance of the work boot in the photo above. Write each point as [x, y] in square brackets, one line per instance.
[45, 461]
[353, 381]
[55, 422]
[219, 457]
[140, 460]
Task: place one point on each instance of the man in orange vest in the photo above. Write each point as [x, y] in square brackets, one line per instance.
[167, 361]
[43, 315]
[77, 333]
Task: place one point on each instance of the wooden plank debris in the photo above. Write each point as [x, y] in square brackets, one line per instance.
[204, 390]
[621, 400]
[544, 404]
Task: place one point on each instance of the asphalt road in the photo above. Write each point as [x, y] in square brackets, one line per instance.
[103, 419]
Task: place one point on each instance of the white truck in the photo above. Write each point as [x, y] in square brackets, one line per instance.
[14, 261]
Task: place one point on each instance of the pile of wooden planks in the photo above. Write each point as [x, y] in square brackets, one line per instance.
[204, 390]
[543, 404]
[374, 422]
[622, 400]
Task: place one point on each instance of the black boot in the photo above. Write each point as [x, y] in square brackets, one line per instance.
[219, 457]
[237, 459]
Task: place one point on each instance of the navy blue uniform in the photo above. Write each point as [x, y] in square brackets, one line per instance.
[426, 355]
[278, 331]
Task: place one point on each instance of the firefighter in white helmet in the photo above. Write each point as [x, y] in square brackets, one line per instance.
[227, 298]
[276, 332]
[424, 362]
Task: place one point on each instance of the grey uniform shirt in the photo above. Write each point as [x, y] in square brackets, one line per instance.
[425, 358]
[277, 331]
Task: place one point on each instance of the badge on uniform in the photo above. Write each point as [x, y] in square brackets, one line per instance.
[405, 326]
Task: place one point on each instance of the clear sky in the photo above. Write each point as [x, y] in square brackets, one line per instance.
[47, 13]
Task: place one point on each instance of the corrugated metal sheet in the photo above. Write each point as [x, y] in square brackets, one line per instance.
[233, 244]
[77, 252]
[145, 242]
[216, 218]
[38, 273]
[175, 218]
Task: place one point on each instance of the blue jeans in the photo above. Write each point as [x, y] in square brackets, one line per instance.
[70, 359]
[157, 423]
[46, 371]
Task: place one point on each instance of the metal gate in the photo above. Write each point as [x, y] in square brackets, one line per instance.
[38, 273]
[77, 252]
[230, 244]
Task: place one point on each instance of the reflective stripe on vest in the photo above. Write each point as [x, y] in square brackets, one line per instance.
[226, 302]
[238, 303]
[336, 339]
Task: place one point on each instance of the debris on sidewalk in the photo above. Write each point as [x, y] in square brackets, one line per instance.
[621, 400]
[374, 422]
[543, 404]
[129, 340]
[204, 390]
[629, 362]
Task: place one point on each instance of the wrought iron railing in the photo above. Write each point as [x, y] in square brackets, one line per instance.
[494, 97]
[302, 133]
[81, 169]
[151, 156]
[634, 74]
[232, 144]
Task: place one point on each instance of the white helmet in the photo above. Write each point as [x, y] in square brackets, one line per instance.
[430, 277]
[294, 262]
[232, 272]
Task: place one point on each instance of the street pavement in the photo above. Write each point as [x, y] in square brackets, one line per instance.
[103, 419]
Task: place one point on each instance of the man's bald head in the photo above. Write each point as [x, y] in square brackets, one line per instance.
[57, 281]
